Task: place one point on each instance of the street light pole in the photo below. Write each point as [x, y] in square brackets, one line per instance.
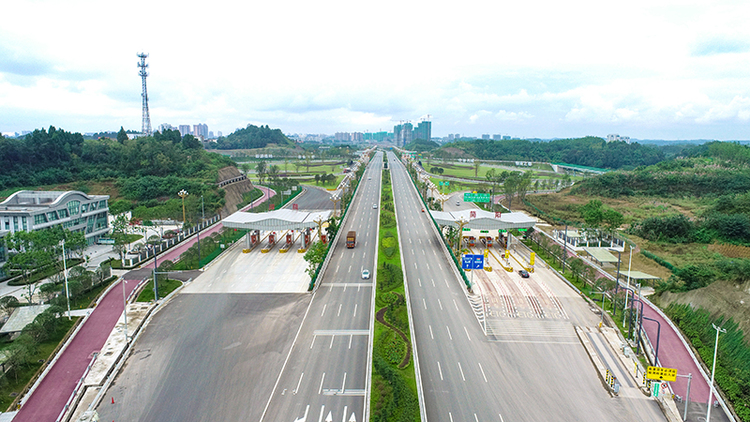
[125, 308]
[713, 371]
[65, 272]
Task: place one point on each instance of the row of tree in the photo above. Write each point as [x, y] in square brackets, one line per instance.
[588, 151]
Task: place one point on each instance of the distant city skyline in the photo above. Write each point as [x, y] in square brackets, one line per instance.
[649, 69]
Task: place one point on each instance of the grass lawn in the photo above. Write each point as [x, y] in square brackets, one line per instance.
[165, 287]
[84, 301]
[17, 384]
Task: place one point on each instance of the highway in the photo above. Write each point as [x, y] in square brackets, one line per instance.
[530, 366]
[326, 375]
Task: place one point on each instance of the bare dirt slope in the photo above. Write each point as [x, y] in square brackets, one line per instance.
[234, 191]
[720, 297]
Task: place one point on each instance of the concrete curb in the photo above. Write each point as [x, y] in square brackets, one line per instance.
[601, 370]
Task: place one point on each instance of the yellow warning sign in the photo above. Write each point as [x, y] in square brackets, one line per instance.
[661, 374]
[531, 260]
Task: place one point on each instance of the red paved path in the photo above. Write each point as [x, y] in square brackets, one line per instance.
[49, 399]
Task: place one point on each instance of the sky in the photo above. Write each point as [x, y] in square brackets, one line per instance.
[648, 69]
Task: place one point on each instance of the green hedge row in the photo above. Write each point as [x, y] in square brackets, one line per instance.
[733, 361]
[661, 261]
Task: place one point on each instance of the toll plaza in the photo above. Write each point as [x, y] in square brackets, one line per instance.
[260, 263]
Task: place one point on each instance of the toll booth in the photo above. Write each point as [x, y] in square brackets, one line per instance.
[272, 238]
[307, 238]
[487, 241]
[290, 237]
[471, 241]
[254, 237]
[324, 238]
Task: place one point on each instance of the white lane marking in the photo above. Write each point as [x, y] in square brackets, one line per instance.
[420, 282]
[337, 267]
[481, 369]
[423, 252]
[330, 288]
[345, 285]
[424, 303]
[320, 389]
[350, 341]
[454, 302]
[431, 336]
[322, 410]
[331, 346]
[343, 419]
[441, 304]
[501, 417]
[410, 242]
[343, 384]
[339, 312]
[312, 342]
[449, 332]
[462, 371]
[428, 265]
[476, 418]
[433, 282]
[355, 310]
[467, 333]
[451, 416]
[298, 383]
[415, 264]
[439, 265]
[441, 371]
[350, 268]
[324, 309]
[446, 282]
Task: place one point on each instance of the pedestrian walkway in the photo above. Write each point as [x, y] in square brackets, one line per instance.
[48, 399]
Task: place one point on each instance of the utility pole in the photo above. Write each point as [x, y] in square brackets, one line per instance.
[65, 271]
[146, 119]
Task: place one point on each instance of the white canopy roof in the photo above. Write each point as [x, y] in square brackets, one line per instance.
[282, 219]
[484, 220]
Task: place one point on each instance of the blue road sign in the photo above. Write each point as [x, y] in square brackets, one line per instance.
[467, 261]
[472, 262]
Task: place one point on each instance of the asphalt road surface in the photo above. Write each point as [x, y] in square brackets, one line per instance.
[530, 365]
[250, 357]
[314, 198]
[328, 371]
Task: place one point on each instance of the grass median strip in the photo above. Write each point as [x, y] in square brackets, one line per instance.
[394, 387]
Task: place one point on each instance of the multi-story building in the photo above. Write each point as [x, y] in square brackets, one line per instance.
[615, 137]
[200, 130]
[486, 136]
[403, 134]
[184, 130]
[73, 210]
[423, 130]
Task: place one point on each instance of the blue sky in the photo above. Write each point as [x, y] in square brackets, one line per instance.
[656, 69]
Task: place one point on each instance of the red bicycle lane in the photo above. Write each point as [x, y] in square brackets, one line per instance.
[53, 392]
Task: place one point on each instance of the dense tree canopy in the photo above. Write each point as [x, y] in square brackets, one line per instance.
[253, 137]
[589, 151]
[55, 156]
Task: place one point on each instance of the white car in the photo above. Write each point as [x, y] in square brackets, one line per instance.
[365, 274]
[374, 206]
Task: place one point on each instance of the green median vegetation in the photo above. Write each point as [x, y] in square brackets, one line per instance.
[394, 389]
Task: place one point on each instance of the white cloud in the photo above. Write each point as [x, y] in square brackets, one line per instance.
[665, 66]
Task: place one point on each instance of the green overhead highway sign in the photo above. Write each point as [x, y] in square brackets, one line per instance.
[476, 197]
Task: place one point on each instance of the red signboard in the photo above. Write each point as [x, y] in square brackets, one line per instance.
[473, 214]
[497, 214]
[271, 207]
[295, 207]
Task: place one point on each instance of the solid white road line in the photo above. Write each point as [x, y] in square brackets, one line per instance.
[501, 417]
[481, 369]
[462, 371]
[440, 370]
[320, 389]
[322, 410]
[298, 383]
[449, 332]
[467, 333]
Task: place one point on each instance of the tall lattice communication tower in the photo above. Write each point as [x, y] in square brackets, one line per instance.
[146, 123]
